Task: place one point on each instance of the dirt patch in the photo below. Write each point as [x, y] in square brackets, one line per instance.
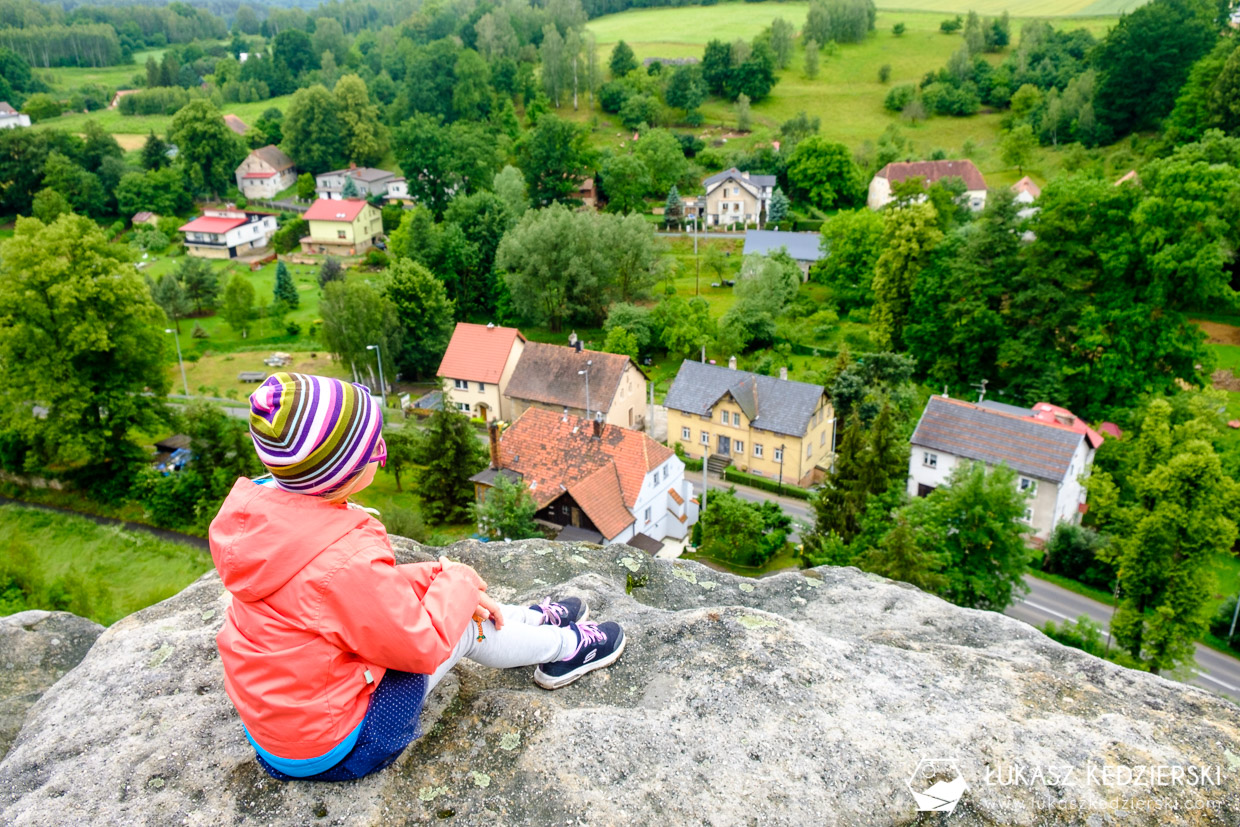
[1219, 334]
[1225, 380]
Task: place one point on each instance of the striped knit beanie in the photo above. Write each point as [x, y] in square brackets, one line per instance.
[314, 434]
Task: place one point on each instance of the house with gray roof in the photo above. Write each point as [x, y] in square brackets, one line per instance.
[368, 180]
[765, 425]
[805, 248]
[735, 197]
[1049, 448]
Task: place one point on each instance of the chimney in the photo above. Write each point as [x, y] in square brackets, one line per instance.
[490, 325]
[577, 345]
[572, 339]
[1064, 419]
[352, 165]
[731, 363]
[493, 432]
[783, 373]
[564, 418]
[598, 425]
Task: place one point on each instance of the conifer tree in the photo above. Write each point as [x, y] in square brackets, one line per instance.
[900, 557]
[449, 453]
[285, 291]
[350, 189]
[674, 209]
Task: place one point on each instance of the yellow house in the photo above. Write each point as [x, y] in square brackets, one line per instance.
[772, 427]
[341, 228]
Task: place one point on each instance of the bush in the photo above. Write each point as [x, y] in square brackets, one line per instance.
[376, 258]
[42, 106]
[613, 95]
[1220, 624]
[753, 481]
[1086, 635]
[808, 225]
[288, 238]
[292, 329]
[404, 522]
[690, 463]
[952, 25]
[158, 100]
[899, 97]
[1072, 551]
[884, 73]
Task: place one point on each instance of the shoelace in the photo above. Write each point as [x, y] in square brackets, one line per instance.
[552, 613]
[588, 635]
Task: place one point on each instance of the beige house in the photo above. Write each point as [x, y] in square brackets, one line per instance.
[265, 172]
[882, 185]
[342, 228]
[585, 382]
[771, 427]
[735, 197]
[477, 367]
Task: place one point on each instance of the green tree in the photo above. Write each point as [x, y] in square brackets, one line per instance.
[364, 140]
[622, 341]
[449, 453]
[634, 319]
[742, 532]
[852, 241]
[664, 158]
[783, 36]
[49, 205]
[1169, 508]
[867, 464]
[305, 186]
[742, 113]
[42, 107]
[314, 136]
[155, 152]
[1016, 147]
[170, 296]
[910, 235]
[509, 185]
[200, 282]
[625, 180]
[356, 316]
[622, 60]
[238, 305]
[401, 450]
[207, 149]
[79, 336]
[506, 511]
[898, 29]
[350, 190]
[330, 270]
[686, 89]
[673, 208]
[285, 290]
[900, 556]
[686, 326]
[425, 314]
[779, 207]
[811, 65]
[976, 522]
[823, 175]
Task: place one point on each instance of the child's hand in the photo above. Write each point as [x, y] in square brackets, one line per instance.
[445, 564]
[488, 609]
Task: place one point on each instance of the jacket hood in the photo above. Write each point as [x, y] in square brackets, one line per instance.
[262, 536]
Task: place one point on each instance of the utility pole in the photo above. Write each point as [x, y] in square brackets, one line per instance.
[781, 467]
[1232, 631]
[1115, 605]
[586, 374]
[181, 362]
[705, 458]
[382, 384]
[981, 386]
[697, 282]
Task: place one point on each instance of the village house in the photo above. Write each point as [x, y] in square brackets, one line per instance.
[804, 248]
[476, 368]
[1025, 191]
[772, 427]
[583, 382]
[237, 125]
[735, 197]
[10, 118]
[265, 172]
[228, 233]
[881, 186]
[592, 481]
[145, 217]
[1049, 448]
[341, 228]
[368, 180]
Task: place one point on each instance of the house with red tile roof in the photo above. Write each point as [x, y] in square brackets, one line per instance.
[593, 481]
[228, 233]
[1050, 449]
[929, 172]
[341, 228]
[477, 367]
[556, 377]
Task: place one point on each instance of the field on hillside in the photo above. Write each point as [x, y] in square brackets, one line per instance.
[114, 122]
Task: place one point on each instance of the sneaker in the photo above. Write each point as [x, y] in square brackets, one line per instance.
[562, 612]
[598, 645]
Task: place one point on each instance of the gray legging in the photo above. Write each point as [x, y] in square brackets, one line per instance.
[523, 641]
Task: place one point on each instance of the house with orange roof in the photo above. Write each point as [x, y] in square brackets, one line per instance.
[582, 382]
[1050, 449]
[477, 367]
[593, 481]
[342, 228]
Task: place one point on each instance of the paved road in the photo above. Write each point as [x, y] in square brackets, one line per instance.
[1216, 672]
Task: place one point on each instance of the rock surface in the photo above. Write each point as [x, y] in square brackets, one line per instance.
[802, 698]
[36, 650]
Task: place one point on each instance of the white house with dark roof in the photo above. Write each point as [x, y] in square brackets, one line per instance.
[804, 248]
[735, 197]
[883, 183]
[1049, 448]
[265, 172]
[772, 427]
[368, 180]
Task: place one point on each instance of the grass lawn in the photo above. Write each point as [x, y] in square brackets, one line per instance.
[382, 495]
[114, 122]
[104, 573]
[1226, 357]
[783, 561]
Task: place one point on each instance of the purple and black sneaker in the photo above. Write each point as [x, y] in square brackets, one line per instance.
[562, 612]
[598, 645]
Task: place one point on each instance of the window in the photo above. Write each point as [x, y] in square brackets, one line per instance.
[340, 234]
[666, 471]
[1028, 517]
[809, 450]
[482, 386]
[724, 417]
[564, 510]
[757, 450]
[736, 419]
[647, 515]
[779, 454]
[685, 432]
[822, 438]
[460, 384]
[1028, 486]
[738, 447]
[930, 460]
[705, 438]
[463, 407]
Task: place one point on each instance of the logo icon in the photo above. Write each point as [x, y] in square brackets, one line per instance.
[936, 784]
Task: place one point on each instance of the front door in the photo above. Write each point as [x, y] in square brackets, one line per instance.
[725, 445]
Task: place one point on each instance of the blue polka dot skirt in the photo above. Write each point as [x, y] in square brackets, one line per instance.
[390, 725]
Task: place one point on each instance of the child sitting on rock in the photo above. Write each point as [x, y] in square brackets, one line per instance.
[330, 648]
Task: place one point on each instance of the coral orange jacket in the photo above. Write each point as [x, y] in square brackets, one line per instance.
[320, 611]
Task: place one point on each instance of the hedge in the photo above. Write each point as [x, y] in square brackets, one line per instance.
[754, 481]
[811, 225]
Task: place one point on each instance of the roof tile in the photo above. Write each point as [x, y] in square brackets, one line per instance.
[781, 406]
[478, 352]
[933, 171]
[548, 374]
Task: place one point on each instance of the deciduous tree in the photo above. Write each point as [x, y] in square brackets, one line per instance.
[506, 511]
[364, 140]
[425, 315]
[910, 235]
[207, 149]
[313, 134]
[238, 306]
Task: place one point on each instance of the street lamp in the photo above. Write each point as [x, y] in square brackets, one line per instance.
[586, 374]
[180, 361]
[382, 384]
[781, 468]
